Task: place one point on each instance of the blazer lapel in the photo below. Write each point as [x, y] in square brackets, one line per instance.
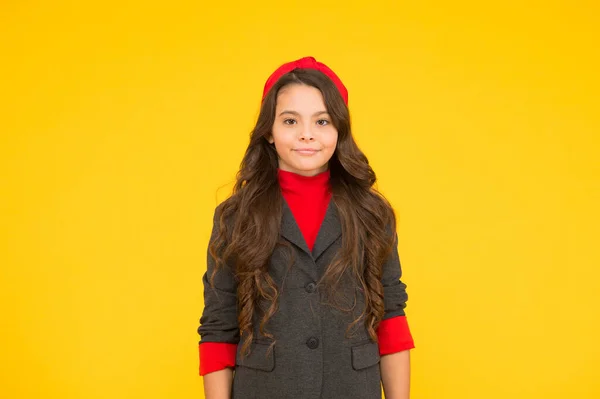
[329, 231]
[290, 229]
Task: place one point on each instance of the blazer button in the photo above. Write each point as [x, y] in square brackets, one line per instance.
[310, 287]
[312, 343]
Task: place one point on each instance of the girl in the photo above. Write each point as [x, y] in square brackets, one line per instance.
[302, 293]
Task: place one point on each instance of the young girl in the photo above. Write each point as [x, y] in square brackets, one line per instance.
[302, 294]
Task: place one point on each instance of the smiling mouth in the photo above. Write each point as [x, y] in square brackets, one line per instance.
[306, 152]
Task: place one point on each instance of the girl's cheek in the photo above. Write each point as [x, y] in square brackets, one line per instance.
[333, 139]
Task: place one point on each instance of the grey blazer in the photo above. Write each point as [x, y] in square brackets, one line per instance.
[312, 357]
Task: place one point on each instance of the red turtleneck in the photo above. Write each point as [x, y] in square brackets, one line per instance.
[308, 198]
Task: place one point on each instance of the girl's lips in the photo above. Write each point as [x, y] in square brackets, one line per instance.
[306, 152]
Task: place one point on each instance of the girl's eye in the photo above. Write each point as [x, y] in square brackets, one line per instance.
[322, 122]
[289, 121]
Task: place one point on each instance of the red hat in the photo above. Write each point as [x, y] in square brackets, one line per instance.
[308, 63]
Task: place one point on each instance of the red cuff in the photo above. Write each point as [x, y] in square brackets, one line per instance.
[394, 335]
[215, 356]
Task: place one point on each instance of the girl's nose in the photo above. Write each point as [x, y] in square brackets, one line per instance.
[307, 133]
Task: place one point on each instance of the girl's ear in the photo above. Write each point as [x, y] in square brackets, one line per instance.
[270, 139]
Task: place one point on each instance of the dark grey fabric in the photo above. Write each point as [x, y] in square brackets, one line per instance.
[312, 358]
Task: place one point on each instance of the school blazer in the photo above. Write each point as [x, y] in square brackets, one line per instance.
[313, 357]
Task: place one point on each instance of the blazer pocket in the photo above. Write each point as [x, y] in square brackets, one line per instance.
[365, 355]
[261, 357]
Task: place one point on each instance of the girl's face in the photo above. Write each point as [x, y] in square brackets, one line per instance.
[304, 137]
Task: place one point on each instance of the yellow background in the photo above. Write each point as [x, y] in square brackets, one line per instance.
[120, 120]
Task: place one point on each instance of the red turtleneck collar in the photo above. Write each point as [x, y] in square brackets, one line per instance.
[308, 198]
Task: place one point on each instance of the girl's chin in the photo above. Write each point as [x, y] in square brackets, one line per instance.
[307, 170]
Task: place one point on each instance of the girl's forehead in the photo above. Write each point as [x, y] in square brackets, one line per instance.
[300, 98]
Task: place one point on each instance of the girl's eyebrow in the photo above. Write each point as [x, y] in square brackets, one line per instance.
[297, 114]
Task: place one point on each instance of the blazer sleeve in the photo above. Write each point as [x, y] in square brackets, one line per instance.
[219, 332]
[393, 332]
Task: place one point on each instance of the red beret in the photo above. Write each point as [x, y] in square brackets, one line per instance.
[309, 63]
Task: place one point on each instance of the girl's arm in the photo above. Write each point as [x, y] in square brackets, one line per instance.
[395, 375]
[218, 329]
[395, 339]
[217, 385]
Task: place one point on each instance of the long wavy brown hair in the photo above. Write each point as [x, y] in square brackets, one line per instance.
[255, 207]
